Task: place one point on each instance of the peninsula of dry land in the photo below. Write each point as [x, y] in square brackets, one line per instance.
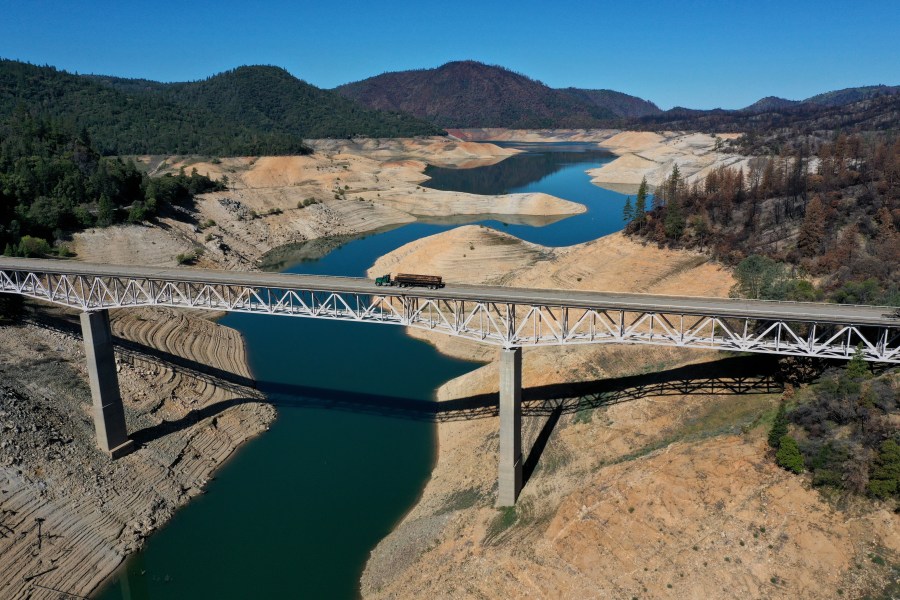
[648, 474]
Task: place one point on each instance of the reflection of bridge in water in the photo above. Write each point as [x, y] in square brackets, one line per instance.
[510, 318]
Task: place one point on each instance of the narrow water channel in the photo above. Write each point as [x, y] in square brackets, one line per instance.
[297, 510]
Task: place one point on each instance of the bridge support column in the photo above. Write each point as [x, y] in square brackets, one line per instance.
[510, 467]
[109, 414]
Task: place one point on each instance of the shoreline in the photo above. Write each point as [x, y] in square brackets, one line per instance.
[102, 511]
[157, 395]
[635, 482]
[639, 153]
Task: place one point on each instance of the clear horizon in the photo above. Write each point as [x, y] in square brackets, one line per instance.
[703, 55]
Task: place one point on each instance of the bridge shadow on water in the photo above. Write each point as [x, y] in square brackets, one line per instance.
[737, 376]
[732, 376]
[729, 376]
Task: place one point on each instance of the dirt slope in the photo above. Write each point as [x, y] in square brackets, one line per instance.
[347, 188]
[649, 472]
[653, 155]
[93, 511]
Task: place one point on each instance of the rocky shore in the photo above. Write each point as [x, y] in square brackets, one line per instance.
[69, 515]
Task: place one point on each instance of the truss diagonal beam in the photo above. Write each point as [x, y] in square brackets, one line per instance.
[510, 323]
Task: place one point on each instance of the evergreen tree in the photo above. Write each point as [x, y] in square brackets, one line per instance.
[758, 278]
[674, 219]
[788, 455]
[640, 204]
[105, 212]
[628, 211]
[812, 231]
[779, 426]
[674, 184]
[885, 480]
[856, 366]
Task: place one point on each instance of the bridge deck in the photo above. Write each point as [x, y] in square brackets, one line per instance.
[688, 305]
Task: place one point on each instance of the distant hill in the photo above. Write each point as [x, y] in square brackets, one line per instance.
[621, 105]
[770, 103]
[250, 110]
[875, 113]
[472, 94]
[831, 99]
[848, 95]
[271, 100]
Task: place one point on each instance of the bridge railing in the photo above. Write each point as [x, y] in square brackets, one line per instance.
[505, 324]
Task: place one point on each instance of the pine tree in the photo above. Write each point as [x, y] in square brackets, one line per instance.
[812, 231]
[674, 185]
[887, 242]
[674, 219]
[628, 212]
[640, 204]
[105, 212]
[856, 366]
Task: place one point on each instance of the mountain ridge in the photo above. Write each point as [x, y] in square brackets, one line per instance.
[473, 94]
[244, 111]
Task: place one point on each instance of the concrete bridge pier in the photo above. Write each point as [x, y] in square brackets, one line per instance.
[109, 414]
[510, 467]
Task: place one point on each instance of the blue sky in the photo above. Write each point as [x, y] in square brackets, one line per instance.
[695, 54]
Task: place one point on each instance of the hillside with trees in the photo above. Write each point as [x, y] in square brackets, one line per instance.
[819, 220]
[248, 111]
[842, 430]
[619, 104]
[53, 181]
[878, 111]
[472, 94]
[272, 101]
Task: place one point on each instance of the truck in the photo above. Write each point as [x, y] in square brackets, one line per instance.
[410, 280]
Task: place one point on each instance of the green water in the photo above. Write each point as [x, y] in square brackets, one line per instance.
[297, 510]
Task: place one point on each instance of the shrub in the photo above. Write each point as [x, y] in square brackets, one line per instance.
[138, 212]
[307, 202]
[788, 455]
[504, 519]
[886, 474]
[33, 246]
[779, 427]
[189, 258]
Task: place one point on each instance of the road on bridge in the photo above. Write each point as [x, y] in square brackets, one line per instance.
[687, 305]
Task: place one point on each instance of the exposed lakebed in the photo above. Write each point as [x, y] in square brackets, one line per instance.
[296, 511]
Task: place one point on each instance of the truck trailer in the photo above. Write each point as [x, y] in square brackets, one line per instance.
[410, 280]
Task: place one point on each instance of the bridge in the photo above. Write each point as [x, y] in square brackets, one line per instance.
[510, 318]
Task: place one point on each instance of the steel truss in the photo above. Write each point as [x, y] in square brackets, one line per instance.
[506, 324]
